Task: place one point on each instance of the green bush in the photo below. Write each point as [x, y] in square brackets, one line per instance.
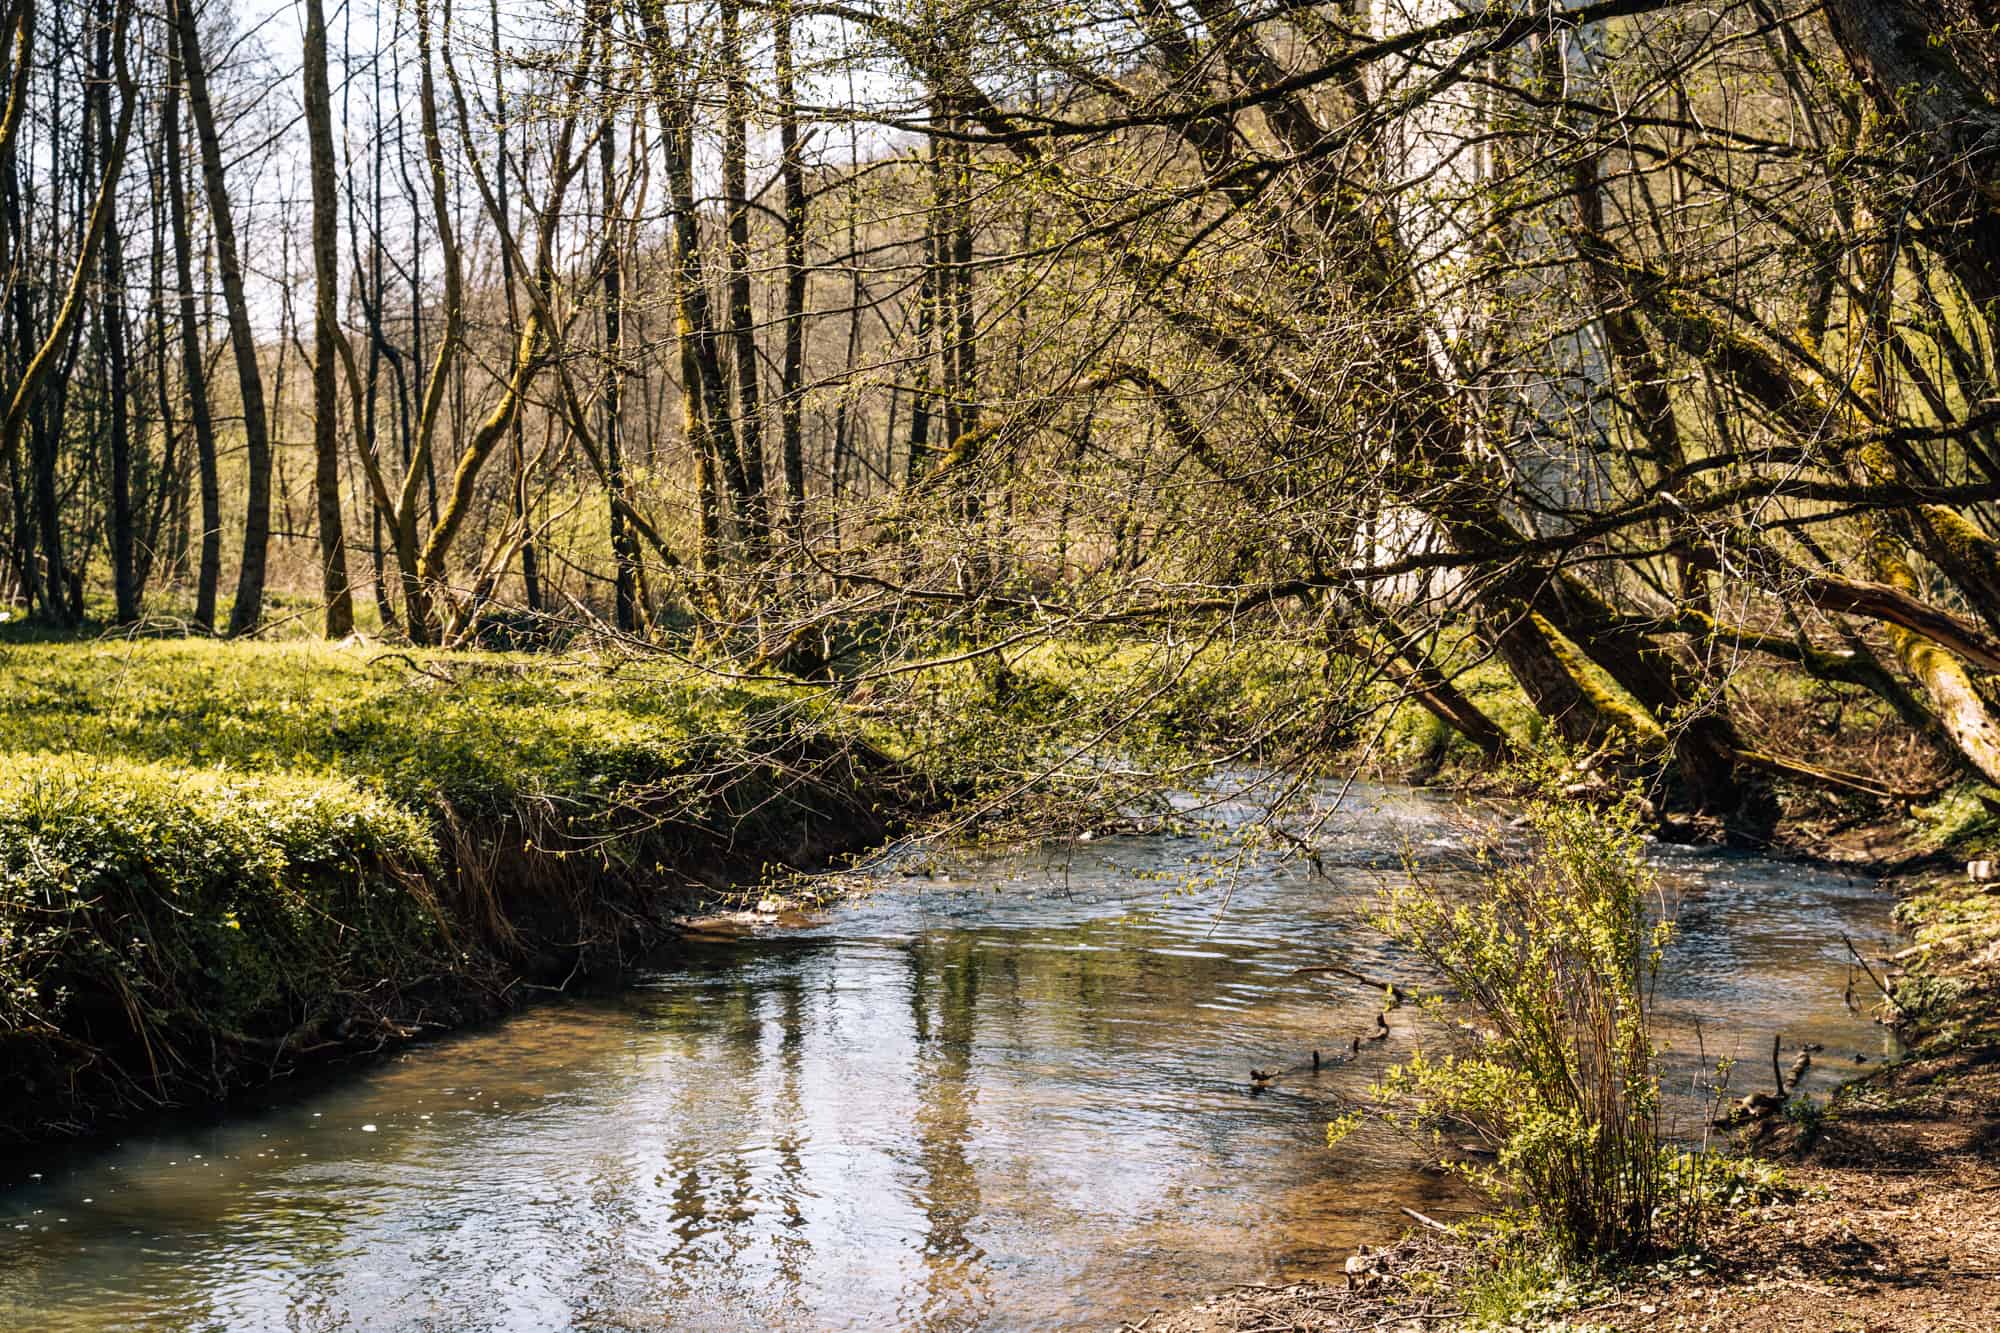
[1557, 957]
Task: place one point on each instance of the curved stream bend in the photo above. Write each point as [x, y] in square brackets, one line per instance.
[1017, 1096]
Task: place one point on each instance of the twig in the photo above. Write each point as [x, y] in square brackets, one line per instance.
[1430, 1222]
[1417, 1317]
[1871, 973]
[1397, 993]
[421, 668]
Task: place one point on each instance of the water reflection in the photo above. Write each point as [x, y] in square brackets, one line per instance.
[1018, 1099]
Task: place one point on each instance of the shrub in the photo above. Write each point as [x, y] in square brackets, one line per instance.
[1558, 957]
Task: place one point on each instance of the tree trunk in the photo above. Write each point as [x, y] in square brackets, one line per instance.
[708, 418]
[326, 298]
[624, 542]
[125, 588]
[531, 574]
[249, 607]
[749, 421]
[791, 378]
[208, 575]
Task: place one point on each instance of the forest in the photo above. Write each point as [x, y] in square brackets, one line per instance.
[487, 453]
[1626, 355]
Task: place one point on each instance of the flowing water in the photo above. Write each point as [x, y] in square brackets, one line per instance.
[1010, 1093]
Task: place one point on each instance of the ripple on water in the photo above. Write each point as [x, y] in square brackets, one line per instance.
[940, 1104]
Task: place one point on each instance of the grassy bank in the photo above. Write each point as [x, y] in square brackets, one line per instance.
[220, 862]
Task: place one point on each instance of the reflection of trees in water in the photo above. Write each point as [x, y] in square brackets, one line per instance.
[708, 1182]
[944, 986]
[791, 1247]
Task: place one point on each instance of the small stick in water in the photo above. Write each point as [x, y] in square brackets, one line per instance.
[1777, 1038]
[1856, 954]
[1430, 1222]
[1315, 1062]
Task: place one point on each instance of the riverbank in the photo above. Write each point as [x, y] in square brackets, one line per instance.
[1889, 1219]
[221, 863]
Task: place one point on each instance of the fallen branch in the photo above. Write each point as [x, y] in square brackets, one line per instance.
[1831, 777]
[1900, 1012]
[1430, 1222]
[1397, 995]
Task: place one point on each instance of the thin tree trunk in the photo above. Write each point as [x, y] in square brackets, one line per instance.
[208, 573]
[791, 375]
[749, 422]
[531, 579]
[111, 324]
[709, 420]
[326, 298]
[624, 543]
[417, 469]
[249, 607]
[919, 460]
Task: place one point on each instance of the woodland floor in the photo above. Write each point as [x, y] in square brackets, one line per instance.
[1894, 1226]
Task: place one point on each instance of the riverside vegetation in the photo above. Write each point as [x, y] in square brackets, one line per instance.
[218, 862]
[226, 862]
[987, 414]
[222, 862]
[1869, 1210]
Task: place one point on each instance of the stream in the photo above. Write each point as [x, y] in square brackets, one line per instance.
[1006, 1090]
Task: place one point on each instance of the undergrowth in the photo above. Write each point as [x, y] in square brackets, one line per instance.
[174, 906]
[1552, 960]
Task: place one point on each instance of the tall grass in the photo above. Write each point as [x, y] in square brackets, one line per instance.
[1556, 957]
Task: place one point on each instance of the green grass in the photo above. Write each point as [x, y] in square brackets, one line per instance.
[218, 859]
[481, 731]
